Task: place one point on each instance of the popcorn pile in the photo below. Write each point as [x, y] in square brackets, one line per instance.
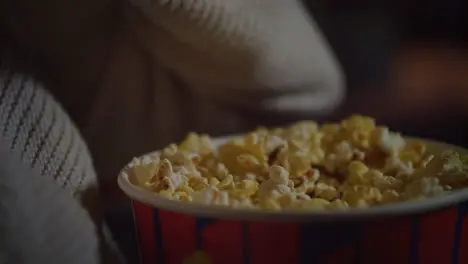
[353, 164]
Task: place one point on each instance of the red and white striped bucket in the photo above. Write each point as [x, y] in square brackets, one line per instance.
[434, 231]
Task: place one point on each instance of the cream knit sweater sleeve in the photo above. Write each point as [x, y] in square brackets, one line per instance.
[49, 202]
[210, 66]
[268, 50]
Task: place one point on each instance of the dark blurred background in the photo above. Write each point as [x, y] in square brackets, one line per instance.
[405, 62]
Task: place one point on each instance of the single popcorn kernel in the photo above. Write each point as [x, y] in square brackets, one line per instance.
[361, 203]
[227, 183]
[337, 166]
[330, 129]
[338, 205]
[271, 204]
[357, 130]
[302, 131]
[408, 156]
[183, 196]
[424, 187]
[305, 185]
[316, 156]
[279, 175]
[325, 191]
[315, 140]
[314, 204]
[356, 172]
[293, 158]
[194, 143]
[390, 196]
[331, 163]
[344, 155]
[187, 189]
[221, 171]
[360, 123]
[143, 173]
[312, 175]
[166, 194]
[246, 188]
[247, 161]
[389, 142]
[329, 180]
[286, 200]
[214, 182]
[356, 195]
[386, 182]
[198, 183]
[250, 164]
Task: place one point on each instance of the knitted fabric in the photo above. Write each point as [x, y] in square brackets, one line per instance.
[234, 49]
[39, 222]
[35, 126]
[49, 192]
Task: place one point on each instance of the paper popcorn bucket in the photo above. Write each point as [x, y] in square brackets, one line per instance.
[433, 231]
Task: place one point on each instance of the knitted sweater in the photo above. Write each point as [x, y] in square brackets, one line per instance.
[137, 75]
[49, 207]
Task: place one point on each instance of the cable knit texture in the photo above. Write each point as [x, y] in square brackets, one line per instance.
[49, 198]
[33, 125]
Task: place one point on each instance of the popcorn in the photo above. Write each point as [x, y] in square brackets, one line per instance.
[396, 165]
[361, 195]
[246, 188]
[424, 187]
[389, 142]
[314, 204]
[302, 131]
[352, 164]
[198, 183]
[325, 191]
[357, 130]
[294, 158]
[278, 175]
[197, 144]
[390, 196]
[338, 204]
[270, 204]
[356, 172]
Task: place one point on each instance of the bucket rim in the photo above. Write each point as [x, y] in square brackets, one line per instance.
[409, 208]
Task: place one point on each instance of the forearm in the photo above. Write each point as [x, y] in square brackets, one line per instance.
[35, 217]
[266, 55]
[52, 155]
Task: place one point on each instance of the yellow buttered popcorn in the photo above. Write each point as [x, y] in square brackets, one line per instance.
[357, 130]
[314, 204]
[306, 166]
[245, 188]
[302, 131]
[294, 157]
[200, 144]
[357, 172]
